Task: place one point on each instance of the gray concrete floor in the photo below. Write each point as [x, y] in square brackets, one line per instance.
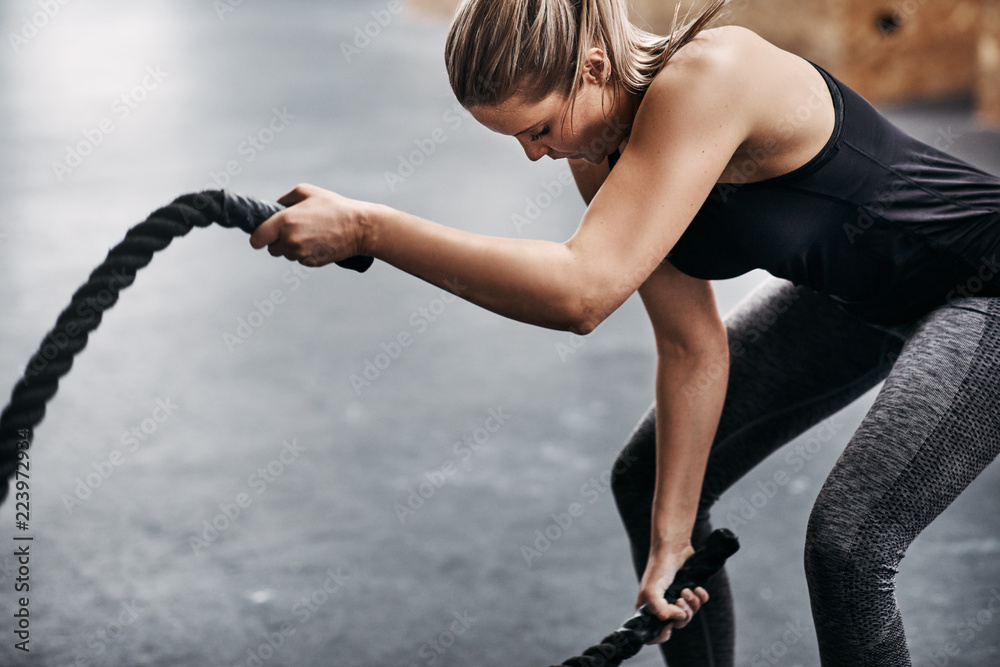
[319, 563]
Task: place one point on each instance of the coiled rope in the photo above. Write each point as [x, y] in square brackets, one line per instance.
[81, 317]
[628, 640]
[74, 325]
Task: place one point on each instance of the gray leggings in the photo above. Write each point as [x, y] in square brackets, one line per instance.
[795, 359]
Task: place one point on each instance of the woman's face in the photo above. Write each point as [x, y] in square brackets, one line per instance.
[595, 129]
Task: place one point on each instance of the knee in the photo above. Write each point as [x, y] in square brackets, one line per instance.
[636, 464]
[842, 547]
[828, 538]
[631, 473]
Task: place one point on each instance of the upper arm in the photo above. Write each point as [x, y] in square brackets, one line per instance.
[683, 312]
[691, 122]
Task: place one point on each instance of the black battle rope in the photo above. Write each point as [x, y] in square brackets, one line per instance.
[625, 642]
[55, 356]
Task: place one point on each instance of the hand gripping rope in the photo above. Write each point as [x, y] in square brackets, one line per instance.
[55, 356]
[625, 642]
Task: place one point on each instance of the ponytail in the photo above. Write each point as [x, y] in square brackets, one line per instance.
[497, 48]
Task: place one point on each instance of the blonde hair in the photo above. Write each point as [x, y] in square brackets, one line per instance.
[497, 48]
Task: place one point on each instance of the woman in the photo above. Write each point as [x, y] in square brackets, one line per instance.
[701, 157]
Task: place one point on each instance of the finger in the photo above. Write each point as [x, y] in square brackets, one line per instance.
[677, 616]
[267, 233]
[687, 612]
[662, 609]
[297, 194]
[663, 636]
[281, 248]
[692, 600]
[702, 593]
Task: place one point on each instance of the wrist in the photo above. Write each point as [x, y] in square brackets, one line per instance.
[369, 219]
[674, 549]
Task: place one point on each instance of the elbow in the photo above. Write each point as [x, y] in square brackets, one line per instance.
[585, 296]
[582, 325]
[582, 315]
[577, 321]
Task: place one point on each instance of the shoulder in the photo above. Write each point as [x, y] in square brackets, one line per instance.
[728, 75]
[706, 85]
[719, 59]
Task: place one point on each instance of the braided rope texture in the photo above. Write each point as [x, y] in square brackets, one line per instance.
[614, 649]
[74, 325]
[644, 626]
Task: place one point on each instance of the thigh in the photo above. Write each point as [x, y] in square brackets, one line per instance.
[795, 359]
[933, 428]
[935, 424]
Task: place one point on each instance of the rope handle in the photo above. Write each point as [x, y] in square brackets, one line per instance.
[643, 627]
[248, 214]
[55, 354]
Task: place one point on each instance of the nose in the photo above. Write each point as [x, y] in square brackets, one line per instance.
[535, 150]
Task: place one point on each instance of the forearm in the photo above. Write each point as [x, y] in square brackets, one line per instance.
[538, 282]
[690, 391]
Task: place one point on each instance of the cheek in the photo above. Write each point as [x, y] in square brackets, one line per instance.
[577, 134]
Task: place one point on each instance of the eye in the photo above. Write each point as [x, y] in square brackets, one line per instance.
[536, 137]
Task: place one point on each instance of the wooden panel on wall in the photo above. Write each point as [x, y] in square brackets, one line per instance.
[887, 50]
[988, 83]
[908, 49]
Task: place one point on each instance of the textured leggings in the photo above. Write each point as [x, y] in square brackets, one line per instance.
[796, 359]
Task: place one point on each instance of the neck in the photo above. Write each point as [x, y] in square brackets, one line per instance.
[624, 114]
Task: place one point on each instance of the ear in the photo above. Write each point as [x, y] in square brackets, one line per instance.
[597, 69]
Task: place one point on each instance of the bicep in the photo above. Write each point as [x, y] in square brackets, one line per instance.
[684, 135]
